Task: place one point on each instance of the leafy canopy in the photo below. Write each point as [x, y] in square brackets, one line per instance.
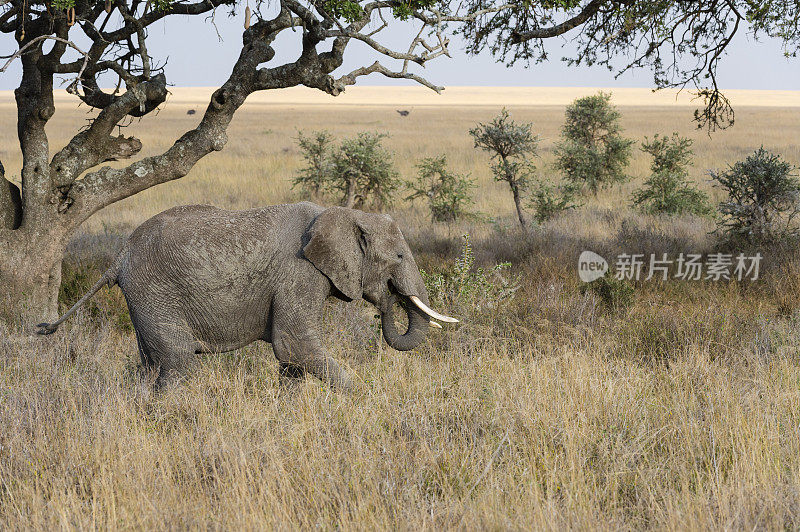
[763, 198]
[592, 152]
[667, 190]
[448, 193]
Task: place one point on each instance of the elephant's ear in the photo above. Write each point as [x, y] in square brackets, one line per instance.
[335, 249]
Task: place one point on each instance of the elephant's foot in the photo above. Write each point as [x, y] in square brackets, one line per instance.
[289, 375]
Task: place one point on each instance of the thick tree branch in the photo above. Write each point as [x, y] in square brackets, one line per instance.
[177, 8]
[107, 185]
[7, 24]
[35, 107]
[96, 145]
[559, 29]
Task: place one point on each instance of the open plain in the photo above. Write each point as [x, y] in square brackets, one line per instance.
[543, 410]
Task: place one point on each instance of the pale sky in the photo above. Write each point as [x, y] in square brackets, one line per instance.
[197, 58]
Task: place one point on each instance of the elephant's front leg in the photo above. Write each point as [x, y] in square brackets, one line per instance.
[295, 341]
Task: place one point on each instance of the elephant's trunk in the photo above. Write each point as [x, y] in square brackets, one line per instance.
[418, 324]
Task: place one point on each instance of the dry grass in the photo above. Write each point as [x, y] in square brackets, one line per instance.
[679, 412]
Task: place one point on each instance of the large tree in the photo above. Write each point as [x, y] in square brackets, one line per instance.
[61, 189]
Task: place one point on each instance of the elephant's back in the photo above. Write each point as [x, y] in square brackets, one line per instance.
[215, 268]
[197, 229]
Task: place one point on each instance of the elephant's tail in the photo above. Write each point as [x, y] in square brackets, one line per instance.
[109, 278]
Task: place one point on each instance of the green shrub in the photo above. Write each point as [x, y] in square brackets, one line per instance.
[363, 171]
[511, 146]
[316, 150]
[592, 153]
[615, 294]
[667, 190]
[465, 287]
[763, 198]
[549, 201]
[359, 169]
[448, 193]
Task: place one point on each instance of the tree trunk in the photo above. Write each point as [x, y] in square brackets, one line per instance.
[350, 194]
[32, 240]
[30, 277]
[518, 204]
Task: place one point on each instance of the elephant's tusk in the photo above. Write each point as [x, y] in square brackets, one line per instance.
[432, 313]
[434, 324]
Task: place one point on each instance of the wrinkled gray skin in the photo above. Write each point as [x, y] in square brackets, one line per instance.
[199, 279]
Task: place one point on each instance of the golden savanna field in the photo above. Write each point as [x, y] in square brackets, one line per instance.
[543, 410]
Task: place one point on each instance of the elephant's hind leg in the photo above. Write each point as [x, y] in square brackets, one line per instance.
[166, 348]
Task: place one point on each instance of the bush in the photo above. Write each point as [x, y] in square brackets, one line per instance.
[548, 201]
[448, 193]
[465, 287]
[592, 152]
[615, 294]
[511, 146]
[316, 150]
[762, 198]
[360, 169]
[667, 190]
[363, 170]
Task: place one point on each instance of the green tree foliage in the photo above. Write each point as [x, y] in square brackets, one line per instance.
[363, 172]
[668, 190]
[682, 43]
[316, 151]
[763, 198]
[592, 153]
[448, 193]
[548, 201]
[512, 146]
[469, 289]
[360, 169]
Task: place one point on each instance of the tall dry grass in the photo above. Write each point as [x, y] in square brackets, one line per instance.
[680, 411]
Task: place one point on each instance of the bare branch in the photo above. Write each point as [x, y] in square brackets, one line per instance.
[376, 67]
[38, 39]
[140, 35]
[378, 47]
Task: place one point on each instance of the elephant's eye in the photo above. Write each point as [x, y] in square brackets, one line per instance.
[400, 256]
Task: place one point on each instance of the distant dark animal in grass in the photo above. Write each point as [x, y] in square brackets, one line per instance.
[404, 112]
[191, 112]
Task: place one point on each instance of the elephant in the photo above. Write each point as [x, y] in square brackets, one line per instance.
[199, 279]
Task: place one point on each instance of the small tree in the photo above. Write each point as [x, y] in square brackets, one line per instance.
[763, 198]
[667, 190]
[592, 152]
[362, 169]
[448, 193]
[316, 150]
[511, 146]
[548, 201]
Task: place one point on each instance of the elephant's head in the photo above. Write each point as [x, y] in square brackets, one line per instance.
[365, 255]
